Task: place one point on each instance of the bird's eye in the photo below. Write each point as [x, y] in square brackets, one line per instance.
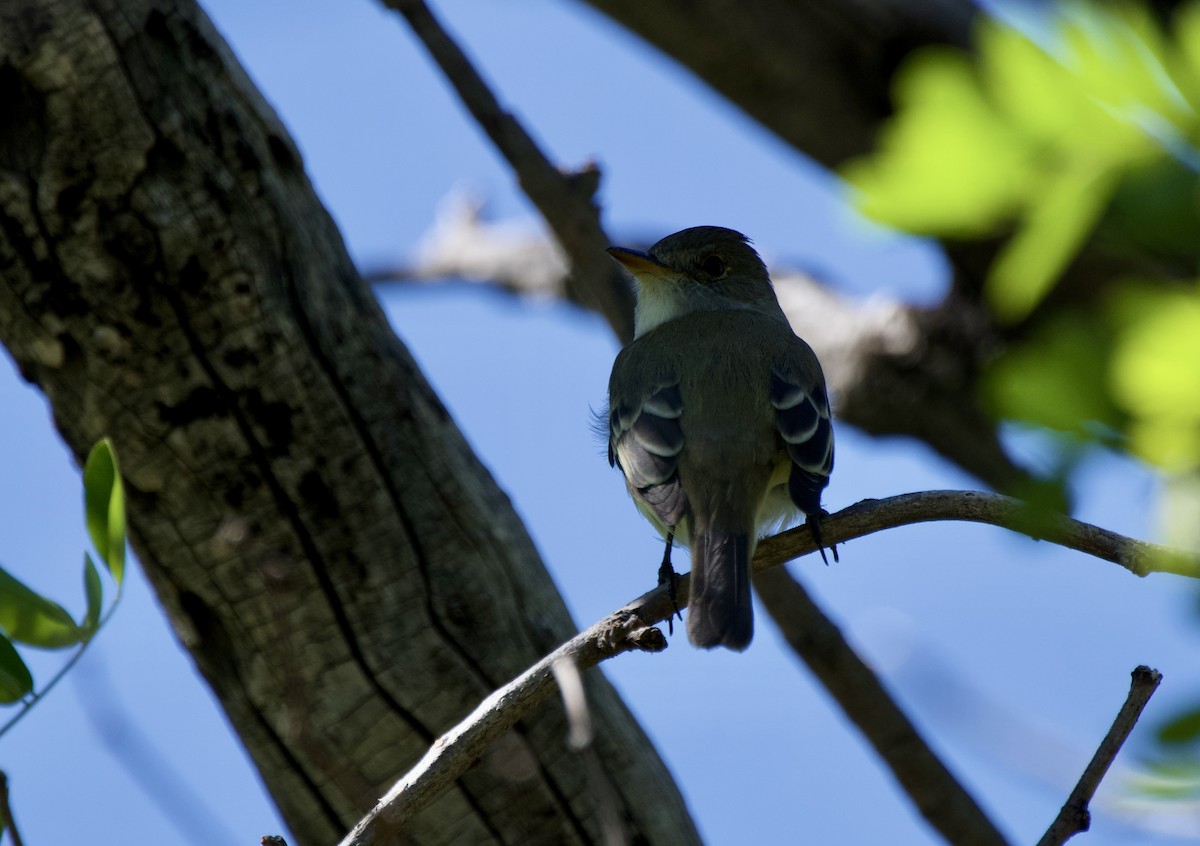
[713, 266]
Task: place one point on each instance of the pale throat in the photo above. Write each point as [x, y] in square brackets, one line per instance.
[659, 303]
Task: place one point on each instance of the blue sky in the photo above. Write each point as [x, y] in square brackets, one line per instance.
[1012, 656]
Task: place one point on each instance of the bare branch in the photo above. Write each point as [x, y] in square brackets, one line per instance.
[565, 200]
[938, 795]
[631, 627]
[872, 515]
[462, 244]
[1075, 816]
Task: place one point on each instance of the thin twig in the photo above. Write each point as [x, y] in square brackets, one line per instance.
[630, 627]
[7, 823]
[942, 800]
[873, 515]
[1075, 816]
[564, 200]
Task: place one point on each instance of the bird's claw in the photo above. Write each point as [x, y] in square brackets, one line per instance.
[813, 521]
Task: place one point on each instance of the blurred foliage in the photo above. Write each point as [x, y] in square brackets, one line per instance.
[30, 619]
[1083, 128]
[1036, 142]
[1086, 131]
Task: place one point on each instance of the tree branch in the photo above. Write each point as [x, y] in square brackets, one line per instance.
[873, 515]
[565, 201]
[1075, 816]
[949, 809]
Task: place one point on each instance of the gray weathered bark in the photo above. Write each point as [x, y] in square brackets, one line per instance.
[348, 577]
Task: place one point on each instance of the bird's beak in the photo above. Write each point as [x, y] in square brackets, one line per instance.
[641, 265]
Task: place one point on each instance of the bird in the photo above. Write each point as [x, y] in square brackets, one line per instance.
[718, 418]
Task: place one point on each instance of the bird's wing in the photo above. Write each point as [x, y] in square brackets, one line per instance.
[645, 440]
[802, 417]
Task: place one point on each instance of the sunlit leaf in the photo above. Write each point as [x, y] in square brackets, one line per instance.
[104, 499]
[1121, 59]
[1184, 61]
[94, 591]
[946, 164]
[1154, 374]
[15, 678]
[1060, 218]
[1041, 96]
[28, 617]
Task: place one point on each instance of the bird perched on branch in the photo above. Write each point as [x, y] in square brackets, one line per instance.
[718, 417]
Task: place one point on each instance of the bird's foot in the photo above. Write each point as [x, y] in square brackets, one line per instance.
[813, 521]
[666, 576]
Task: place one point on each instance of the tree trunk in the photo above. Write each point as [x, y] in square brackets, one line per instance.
[347, 576]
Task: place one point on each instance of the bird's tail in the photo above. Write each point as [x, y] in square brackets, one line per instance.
[719, 611]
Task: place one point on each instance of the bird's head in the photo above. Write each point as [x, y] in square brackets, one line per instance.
[705, 268]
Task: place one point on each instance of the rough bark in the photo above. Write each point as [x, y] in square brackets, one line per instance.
[347, 576]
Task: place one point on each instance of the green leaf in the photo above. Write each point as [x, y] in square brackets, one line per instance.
[947, 164]
[1059, 220]
[28, 617]
[15, 678]
[104, 500]
[1184, 60]
[1055, 378]
[1153, 374]
[1119, 55]
[1042, 99]
[1154, 211]
[94, 592]
[1182, 728]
